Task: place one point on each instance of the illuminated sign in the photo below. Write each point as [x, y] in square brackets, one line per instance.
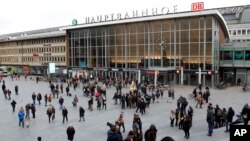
[198, 6]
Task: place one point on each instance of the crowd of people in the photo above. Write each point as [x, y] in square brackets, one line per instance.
[139, 97]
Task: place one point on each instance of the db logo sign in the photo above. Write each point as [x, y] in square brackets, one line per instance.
[198, 6]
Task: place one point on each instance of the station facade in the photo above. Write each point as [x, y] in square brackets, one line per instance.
[173, 47]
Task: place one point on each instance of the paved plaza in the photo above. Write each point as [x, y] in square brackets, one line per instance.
[95, 128]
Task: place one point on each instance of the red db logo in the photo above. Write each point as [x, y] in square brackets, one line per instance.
[198, 6]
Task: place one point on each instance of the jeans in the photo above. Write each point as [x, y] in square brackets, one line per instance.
[210, 128]
[21, 122]
[228, 123]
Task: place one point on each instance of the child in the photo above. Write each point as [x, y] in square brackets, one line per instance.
[27, 119]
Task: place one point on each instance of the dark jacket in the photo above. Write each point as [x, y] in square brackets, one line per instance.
[81, 111]
[114, 136]
[186, 125]
[70, 132]
[210, 115]
[230, 115]
[65, 112]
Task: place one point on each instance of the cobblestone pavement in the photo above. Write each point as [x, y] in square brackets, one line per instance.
[95, 128]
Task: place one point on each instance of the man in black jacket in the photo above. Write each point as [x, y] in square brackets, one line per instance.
[65, 114]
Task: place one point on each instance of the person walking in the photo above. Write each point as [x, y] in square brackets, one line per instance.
[81, 113]
[172, 118]
[245, 114]
[186, 125]
[39, 98]
[45, 99]
[49, 113]
[16, 90]
[210, 119]
[61, 100]
[34, 98]
[27, 120]
[33, 110]
[9, 94]
[75, 100]
[21, 115]
[70, 133]
[65, 114]
[53, 110]
[120, 122]
[13, 104]
[150, 134]
[67, 90]
[61, 87]
[229, 118]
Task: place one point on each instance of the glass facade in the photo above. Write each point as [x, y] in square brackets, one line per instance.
[163, 43]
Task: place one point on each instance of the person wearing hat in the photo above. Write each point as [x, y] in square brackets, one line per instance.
[150, 134]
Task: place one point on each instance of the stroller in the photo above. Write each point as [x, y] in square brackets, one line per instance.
[238, 120]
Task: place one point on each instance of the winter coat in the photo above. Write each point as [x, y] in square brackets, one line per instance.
[70, 132]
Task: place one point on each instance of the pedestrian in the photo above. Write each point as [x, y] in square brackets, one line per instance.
[50, 99]
[39, 138]
[67, 90]
[27, 109]
[16, 90]
[37, 79]
[90, 103]
[75, 100]
[39, 98]
[167, 138]
[61, 87]
[70, 133]
[13, 104]
[33, 110]
[229, 118]
[34, 98]
[61, 100]
[120, 122]
[114, 134]
[150, 134]
[245, 114]
[21, 115]
[81, 113]
[45, 99]
[27, 120]
[9, 94]
[49, 113]
[190, 113]
[172, 118]
[210, 119]
[186, 125]
[53, 110]
[130, 136]
[104, 102]
[65, 114]
[238, 81]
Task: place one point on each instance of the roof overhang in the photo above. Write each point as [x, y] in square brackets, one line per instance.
[214, 13]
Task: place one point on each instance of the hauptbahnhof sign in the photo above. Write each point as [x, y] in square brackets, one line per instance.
[129, 15]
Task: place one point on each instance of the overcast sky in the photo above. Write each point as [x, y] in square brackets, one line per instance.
[25, 15]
